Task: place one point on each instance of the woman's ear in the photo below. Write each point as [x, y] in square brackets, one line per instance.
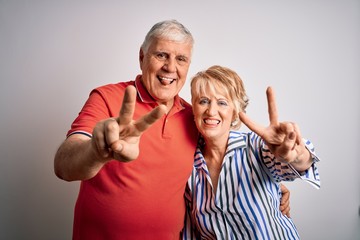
[234, 123]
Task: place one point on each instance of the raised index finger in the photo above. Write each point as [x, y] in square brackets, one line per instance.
[128, 106]
[272, 109]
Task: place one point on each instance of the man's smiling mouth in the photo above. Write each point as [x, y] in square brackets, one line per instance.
[165, 80]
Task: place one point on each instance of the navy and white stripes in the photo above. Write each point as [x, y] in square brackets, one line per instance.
[246, 204]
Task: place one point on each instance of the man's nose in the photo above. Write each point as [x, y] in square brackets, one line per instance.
[170, 65]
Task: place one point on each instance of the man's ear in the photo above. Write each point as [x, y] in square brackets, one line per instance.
[141, 57]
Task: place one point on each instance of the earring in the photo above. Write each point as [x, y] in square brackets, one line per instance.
[234, 123]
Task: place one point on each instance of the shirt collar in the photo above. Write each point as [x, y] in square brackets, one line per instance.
[142, 92]
[236, 140]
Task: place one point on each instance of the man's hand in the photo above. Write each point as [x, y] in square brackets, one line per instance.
[80, 157]
[285, 200]
[118, 138]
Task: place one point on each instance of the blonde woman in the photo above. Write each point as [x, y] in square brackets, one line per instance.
[234, 190]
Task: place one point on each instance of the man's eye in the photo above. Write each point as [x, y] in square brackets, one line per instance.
[161, 56]
[182, 59]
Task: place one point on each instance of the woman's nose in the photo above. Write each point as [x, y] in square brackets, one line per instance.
[212, 109]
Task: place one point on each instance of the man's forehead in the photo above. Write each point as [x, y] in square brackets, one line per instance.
[171, 45]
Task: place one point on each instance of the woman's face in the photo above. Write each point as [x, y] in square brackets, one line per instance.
[213, 114]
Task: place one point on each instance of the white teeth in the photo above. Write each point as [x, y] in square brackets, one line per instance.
[211, 121]
[166, 81]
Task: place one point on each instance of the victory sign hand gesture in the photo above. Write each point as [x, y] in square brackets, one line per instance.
[118, 138]
[283, 138]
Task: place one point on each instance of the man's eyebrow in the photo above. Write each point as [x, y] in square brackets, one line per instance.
[159, 51]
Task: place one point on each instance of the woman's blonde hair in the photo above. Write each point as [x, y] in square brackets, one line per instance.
[225, 81]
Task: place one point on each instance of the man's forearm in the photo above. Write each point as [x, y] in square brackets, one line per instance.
[76, 160]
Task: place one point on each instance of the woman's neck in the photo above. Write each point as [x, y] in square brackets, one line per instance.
[214, 148]
[213, 152]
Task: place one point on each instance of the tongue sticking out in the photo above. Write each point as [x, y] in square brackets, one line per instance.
[167, 81]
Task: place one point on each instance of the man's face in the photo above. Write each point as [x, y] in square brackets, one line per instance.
[164, 69]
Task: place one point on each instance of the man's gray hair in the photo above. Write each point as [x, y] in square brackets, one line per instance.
[169, 30]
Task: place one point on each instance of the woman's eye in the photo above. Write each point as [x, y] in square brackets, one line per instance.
[204, 101]
[222, 103]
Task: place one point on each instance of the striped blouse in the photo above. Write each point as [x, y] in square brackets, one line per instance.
[246, 204]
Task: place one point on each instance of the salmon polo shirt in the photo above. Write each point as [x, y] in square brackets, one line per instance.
[144, 198]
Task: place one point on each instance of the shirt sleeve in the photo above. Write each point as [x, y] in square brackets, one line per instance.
[94, 110]
[281, 171]
[311, 175]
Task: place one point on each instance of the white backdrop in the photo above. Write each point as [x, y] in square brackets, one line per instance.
[52, 53]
